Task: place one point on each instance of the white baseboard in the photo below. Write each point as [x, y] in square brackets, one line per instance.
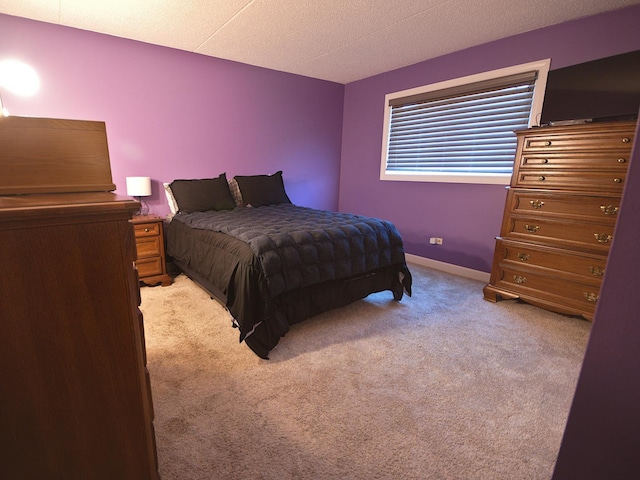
[448, 267]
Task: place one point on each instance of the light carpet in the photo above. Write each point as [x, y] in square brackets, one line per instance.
[442, 385]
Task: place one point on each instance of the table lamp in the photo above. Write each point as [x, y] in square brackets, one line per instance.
[140, 187]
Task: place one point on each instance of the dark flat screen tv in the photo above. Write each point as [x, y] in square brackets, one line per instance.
[600, 90]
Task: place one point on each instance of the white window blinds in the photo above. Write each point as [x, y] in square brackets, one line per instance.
[463, 129]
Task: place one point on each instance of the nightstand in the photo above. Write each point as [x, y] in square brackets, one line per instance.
[151, 263]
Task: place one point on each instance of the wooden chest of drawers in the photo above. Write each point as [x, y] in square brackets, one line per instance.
[151, 263]
[560, 215]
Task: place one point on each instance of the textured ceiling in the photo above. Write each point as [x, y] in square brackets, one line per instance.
[337, 40]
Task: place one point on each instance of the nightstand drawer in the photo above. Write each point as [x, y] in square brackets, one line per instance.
[148, 247]
[149, 266]
[147, 230]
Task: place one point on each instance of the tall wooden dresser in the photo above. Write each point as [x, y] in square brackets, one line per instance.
[560, 215]
[75, 397]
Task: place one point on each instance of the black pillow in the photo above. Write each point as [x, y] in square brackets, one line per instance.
[202, 195]
[259, 190]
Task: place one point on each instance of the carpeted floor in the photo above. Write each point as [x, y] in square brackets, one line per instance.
[443, 385]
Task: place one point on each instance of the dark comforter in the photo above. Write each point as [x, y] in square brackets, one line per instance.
[268, 260]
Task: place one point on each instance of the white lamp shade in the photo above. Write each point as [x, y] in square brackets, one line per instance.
[138, 186]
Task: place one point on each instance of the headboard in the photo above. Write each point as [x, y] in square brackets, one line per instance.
[48, 155]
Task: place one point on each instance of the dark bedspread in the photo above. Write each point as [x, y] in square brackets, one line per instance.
[291, 249]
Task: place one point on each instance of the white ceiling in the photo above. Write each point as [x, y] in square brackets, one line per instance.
[337, 40]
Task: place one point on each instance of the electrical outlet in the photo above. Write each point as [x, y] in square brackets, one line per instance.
[435, 241]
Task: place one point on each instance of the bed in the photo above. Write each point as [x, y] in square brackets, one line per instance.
[272, 263]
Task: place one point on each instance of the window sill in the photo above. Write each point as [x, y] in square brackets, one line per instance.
[479, 178]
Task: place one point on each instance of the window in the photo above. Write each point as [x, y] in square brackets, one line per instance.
[461, 130]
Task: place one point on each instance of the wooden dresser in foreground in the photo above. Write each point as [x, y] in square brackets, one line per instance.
[151, 262]
[560, 215]
[75, 394]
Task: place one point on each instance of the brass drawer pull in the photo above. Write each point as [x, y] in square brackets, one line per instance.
[532, 228]
[596, 271]
[626, 140]
[617, 180]
[609, 209]
[523, 257]
[621, 160]
[147, 230]
[537, 204]
[541, 178]
[603, 237]
[519, 279]
[591, 297]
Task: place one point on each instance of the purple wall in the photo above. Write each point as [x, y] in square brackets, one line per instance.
[468, 217]
[172, 114]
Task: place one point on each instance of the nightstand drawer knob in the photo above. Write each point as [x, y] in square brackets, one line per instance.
[609, 209]
[519, 279]
[626, 140]
[622, 160]
[541, 178]
[147, 230]
[532, 228]
[537, 204]
[617, 180]
[523, 257]
[548, 143]
[545, 160]
[603, 237]
[591, 297]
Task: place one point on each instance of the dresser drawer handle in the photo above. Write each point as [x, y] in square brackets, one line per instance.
[519, 279]
[523, 257]
[603, 237]
[548, 143]
[532, 228]
[596, 271]
[146, 230]
[545, 160]
[591, 297]
[541, 178]
[621, 160]
[626, 140]
[537, 204]
[609, 209]
[617, 180]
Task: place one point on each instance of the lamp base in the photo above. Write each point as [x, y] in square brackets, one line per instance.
[144, 206]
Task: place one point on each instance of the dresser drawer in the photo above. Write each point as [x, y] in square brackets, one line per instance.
[148, 247]
[552, 142]
[148, 267]
[146, 230]
[581, 296]
[586, 236]
[555, 261]
[598, 181]
[609, 160]
[602, 209]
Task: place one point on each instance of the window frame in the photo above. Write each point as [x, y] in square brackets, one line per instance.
[541, 66]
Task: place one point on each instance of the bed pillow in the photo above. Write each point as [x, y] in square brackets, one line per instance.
[259, 190]
[202, 194]
[171, 200]
[235, 192]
